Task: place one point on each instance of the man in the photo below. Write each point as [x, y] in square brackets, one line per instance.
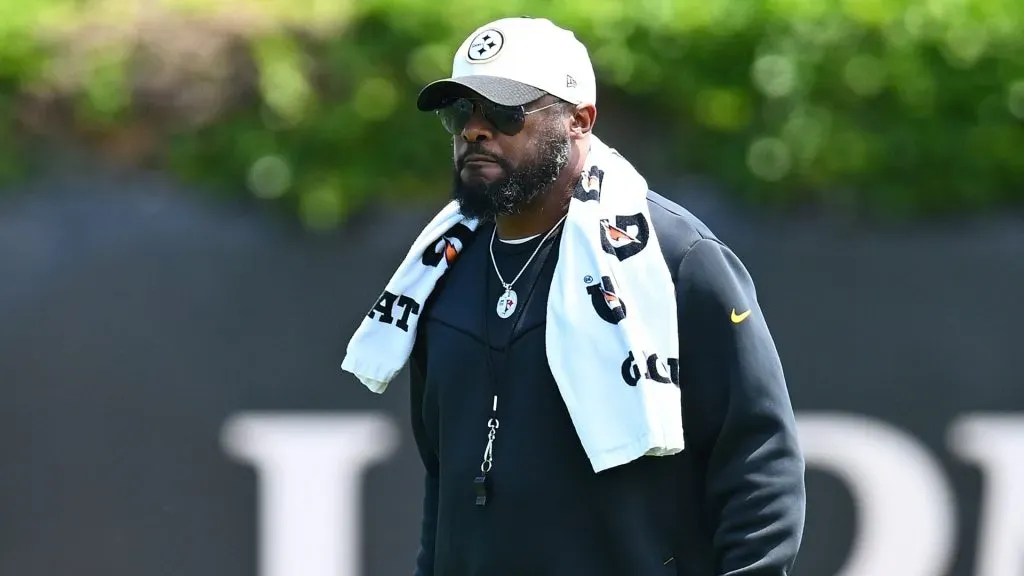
[548, 450]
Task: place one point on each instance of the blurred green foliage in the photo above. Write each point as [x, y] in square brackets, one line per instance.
[904, 107]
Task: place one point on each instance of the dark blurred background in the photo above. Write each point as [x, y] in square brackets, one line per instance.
[199, 201]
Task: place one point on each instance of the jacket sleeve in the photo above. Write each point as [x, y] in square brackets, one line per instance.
[428, 525]
[744, 425]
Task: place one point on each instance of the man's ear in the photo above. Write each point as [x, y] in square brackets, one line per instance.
[582, 121]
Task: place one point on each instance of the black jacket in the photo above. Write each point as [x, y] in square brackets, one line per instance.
[731, 504]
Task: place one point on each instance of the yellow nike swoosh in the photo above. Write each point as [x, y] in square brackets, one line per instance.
[737, 318]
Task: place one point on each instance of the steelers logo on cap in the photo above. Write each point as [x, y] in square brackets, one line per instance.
[485, 46]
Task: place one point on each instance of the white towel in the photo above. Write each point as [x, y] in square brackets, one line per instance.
[612, 337]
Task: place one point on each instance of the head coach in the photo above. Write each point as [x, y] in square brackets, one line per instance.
[595, 391]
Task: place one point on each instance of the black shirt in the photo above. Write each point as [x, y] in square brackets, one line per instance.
[731, 504]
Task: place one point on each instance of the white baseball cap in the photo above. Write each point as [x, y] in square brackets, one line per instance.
[514, 61]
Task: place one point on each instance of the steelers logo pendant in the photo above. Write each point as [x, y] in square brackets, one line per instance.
[507, 303]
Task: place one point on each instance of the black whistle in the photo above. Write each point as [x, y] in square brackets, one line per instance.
[480, 487]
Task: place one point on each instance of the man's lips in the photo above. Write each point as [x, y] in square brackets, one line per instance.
[478, 159]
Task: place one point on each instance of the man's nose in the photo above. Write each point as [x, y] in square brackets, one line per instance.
[477, 129]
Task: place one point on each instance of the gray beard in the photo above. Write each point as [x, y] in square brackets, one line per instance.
[521, 186]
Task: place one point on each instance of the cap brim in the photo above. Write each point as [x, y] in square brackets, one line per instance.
[498, 90]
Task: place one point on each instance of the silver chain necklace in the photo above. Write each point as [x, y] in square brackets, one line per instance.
[508, 300]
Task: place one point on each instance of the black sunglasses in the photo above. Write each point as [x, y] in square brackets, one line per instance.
[506, 119]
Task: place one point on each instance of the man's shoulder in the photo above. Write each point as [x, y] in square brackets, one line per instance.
[677, 228]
